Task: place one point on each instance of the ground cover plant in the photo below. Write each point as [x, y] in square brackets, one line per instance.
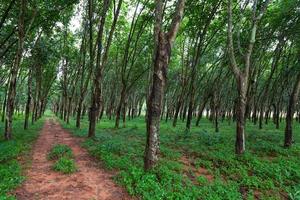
[62, 154]
[14, 155]
[65, 165]
[60, 150]
[201, 165]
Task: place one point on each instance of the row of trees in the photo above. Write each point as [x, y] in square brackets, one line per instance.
[29, 55]
[233, 60]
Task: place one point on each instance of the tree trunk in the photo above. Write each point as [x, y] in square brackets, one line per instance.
[155, 102]
[184, 113]
[242, 76]
[33, 111]
[162, 51]
[240, 116]
[4, 103]
[200, 111]
[14, 72]
[288, 134]
[124, 114]
[28, 103]
[277, 115]
[119, 108]
[69, 109]
[140, 108]
[191, 95]
[92, 114]
[261, 117]
[78, 116]
[177, 109]
[216, 120]
[100, 61]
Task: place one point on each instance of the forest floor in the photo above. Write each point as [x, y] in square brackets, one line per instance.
[198, 165]
[89, 182]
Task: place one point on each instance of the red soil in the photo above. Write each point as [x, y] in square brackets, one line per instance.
[89, 182]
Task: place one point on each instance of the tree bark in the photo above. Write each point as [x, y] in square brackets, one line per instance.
[28, 103]
[92, 112]
[240, 117]
[4, 103]
[288, 134]
[119, 108]
[162, 52]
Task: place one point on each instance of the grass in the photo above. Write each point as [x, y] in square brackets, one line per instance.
[60, 150]
[266, 170]
[13, 154]
[62, 154]
[65, 165]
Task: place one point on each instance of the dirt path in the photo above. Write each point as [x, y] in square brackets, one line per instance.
[90, 182]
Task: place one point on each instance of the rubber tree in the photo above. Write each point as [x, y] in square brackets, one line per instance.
[242, 75]
[101, 60]
[163, 42]
[14, 72]
[288, 133]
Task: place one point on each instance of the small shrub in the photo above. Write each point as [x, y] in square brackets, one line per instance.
[60, 150]
[65, 165]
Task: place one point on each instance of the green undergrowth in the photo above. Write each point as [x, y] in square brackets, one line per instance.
[62, 155]
[60, 150]
[14, 154]
[265, 171]
[65, 165]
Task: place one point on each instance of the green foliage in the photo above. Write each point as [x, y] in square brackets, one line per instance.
[62, 154]
[294, 194]
[12, 151]
[10, 176]
[60, 150]
[202, 179]
[65, 165]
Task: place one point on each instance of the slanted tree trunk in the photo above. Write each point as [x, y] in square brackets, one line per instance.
[277, 114]
[216, 112]
[288, 134]
[14, 72]
[100, 62]
[83, 82]
[162, 51]
[124, 114]
[28, 103]
[119, 108]
[265, 91]
[4, 102]
[199, 50]
[242, 76]
[201, 109]
[65, 90]
[33, 110]
[92, 111]
[110, 107]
